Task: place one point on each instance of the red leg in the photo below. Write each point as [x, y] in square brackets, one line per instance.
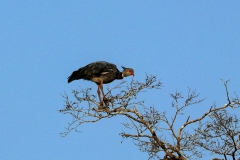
[99, 96]
[101, 87]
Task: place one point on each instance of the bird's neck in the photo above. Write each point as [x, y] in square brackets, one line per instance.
[119, 75]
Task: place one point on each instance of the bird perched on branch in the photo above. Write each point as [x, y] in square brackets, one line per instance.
[101, 73]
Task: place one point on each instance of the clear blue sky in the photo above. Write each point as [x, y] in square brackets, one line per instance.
[187, 44]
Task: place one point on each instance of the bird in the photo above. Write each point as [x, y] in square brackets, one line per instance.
[100, 72]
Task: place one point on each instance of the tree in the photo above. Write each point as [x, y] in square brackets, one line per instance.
[148, 125]
[220, 135]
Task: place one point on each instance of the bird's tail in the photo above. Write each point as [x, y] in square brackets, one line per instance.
[70, 79]
[74, 76]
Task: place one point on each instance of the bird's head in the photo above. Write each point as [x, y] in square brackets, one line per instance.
[127, 72]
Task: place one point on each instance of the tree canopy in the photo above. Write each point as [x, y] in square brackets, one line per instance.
[216, 131]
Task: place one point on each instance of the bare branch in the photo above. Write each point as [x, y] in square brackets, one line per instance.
[150, 129]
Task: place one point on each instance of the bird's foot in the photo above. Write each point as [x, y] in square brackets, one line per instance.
[101, 106]
[106, 99]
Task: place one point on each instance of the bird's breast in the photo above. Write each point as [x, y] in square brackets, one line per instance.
[97, 79]
[103, 78]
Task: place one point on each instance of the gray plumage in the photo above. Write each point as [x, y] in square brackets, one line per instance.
[108, 72]
[100, 72]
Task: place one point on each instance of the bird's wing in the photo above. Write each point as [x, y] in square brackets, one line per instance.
[100, 68]
[94, 68]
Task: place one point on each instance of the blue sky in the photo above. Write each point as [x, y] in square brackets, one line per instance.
[186, 44]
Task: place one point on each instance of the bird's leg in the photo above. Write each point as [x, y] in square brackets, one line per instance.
[99, 96]
[101, 87]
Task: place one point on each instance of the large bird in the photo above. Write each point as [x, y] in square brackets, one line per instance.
[100, 72]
